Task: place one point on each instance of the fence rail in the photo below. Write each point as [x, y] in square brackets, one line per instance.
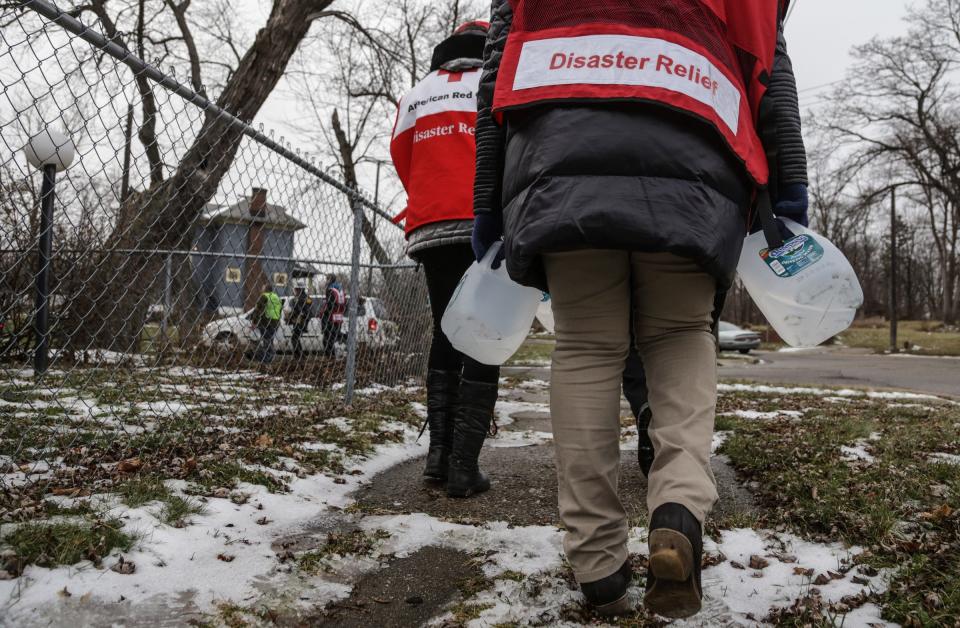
[160, 253]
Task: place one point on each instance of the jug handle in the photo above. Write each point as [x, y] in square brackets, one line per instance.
[771, 230]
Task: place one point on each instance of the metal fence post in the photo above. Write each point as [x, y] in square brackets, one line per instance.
[354, 300]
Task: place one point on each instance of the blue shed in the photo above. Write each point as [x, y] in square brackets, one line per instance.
[241, 248]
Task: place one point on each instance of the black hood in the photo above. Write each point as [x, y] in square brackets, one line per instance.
[468, 45]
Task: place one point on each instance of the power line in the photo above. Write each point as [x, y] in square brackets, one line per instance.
[817, 87]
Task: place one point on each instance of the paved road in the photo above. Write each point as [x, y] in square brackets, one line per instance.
[830, 366]
[849, 367]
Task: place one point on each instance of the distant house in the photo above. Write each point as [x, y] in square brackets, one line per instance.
[249, 244]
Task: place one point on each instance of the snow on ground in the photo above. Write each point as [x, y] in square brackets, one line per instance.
[832, 394]
[765, 416]
[719, 438]
[731, 593]
[533, 384]
[857, 452]
[183, 565]
[945, 458]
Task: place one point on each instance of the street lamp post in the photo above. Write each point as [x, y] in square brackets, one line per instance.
[52, 152]
[893, 270]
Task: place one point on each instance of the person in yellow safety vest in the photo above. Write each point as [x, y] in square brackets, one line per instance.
[266, 316]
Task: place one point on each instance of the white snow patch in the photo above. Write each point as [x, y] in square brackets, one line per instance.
[719, 438]
[534, 384]
[831, 393]
[764, 416]
[175, 565]
[857, 452]
[778, 585]
[944, 458]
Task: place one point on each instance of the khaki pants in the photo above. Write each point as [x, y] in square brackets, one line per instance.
[591, 294]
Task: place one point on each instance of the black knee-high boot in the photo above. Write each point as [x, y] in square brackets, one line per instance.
[471, 424]
[442, 389]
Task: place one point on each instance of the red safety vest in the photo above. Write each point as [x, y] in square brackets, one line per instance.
[434, 148]
[710, 58]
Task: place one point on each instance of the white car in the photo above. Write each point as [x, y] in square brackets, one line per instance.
[733, 338]
[239, 331]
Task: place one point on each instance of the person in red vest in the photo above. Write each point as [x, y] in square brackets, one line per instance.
[433, 150]
[623, 149]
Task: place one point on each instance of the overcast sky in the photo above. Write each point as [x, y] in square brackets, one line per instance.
[821, 33]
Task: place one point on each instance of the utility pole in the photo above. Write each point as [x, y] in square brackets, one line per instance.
[893, 270]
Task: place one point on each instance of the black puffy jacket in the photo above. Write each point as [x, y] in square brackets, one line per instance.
[628, 176]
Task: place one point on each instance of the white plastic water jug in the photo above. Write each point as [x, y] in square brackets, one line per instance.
[545, 313]
[489, 315]
[806, 288]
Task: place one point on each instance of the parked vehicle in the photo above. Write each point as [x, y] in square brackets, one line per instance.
[733, 338]
[373, 328]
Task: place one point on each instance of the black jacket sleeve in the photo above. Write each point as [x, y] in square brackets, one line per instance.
[491, 137]
[783, 138]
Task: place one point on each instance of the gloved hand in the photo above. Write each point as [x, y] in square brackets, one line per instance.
[792, 202]
[487, 229]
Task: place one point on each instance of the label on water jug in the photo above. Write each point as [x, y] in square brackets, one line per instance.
[793, 256]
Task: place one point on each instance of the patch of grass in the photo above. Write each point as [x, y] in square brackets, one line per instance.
[533, 353]
[48, 545]
[901, 506]
[464, 612]
[917, 337]
[516, 576]
[471, 586]
[142, 490]
[226, 473]
[355, 542]
[81, 508]
[176, 509]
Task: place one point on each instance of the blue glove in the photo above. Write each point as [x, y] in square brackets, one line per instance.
[792, 202]
[487, 229]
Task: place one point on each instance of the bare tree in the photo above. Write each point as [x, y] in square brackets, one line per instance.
[358, 73]
[165, 212]
[898, 119]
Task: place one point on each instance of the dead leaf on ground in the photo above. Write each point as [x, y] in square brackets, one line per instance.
[938, 514]
[264, 440]
[227, 558]
[124, 567]
[800, 571]
[758, 562]
[130, 465]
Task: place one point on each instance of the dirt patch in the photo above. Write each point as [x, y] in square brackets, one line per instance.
[408, 592]
[524, 490]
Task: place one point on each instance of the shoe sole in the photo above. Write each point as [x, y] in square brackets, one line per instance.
[674, 593]
[620, 606]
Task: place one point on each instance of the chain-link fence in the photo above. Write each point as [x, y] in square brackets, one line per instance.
[166, 231]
